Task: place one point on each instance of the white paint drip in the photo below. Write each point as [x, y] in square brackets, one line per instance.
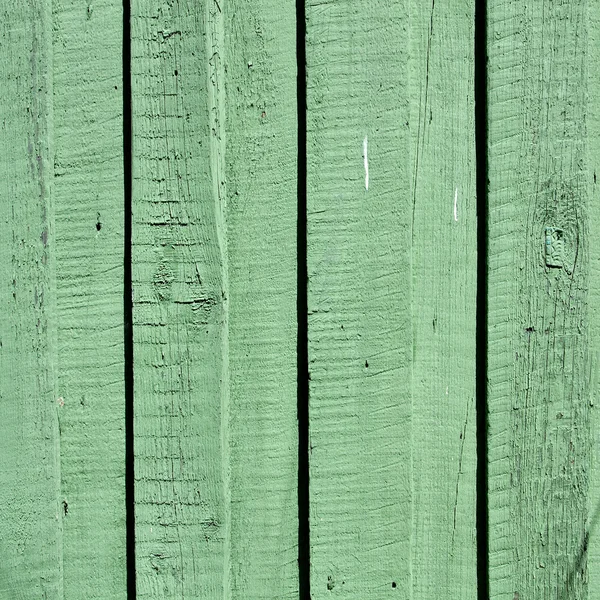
[456, 204]
[365, 144]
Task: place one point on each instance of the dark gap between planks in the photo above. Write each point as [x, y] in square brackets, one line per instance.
[128, 306]
[481, 131]
[302, 316]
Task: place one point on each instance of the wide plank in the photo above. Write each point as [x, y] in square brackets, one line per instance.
[61, 340]
[539, 310]
[31, 521]
[261, 171]
[214, 210]
[391, 299]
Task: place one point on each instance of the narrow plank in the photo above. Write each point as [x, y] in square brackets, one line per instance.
[392, 261]
[180, 304]
[30, 521]
[62, 347]
[538, 273]
[444, 290]
[593, 182]
[214, 299]
[88, 205]
[261, 174]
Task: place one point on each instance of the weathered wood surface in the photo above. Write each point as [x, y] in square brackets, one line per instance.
[88, 207]
[214, 255]
[541, 313]
[592, 111]
[391, 298]
[392, 276]
[62, 531]
[31, 531]
[261, 175]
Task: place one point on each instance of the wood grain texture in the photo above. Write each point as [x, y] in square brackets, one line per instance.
[538, 388]
[261, 174]
[180, 303]
[444, 289]
[392, 261]
[592, 109]
[61, 341]
[214, 299]
[30, 531]
[88, 206]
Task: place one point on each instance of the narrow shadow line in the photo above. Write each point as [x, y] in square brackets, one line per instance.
[481, 143]
[302, 317]
[128, 306]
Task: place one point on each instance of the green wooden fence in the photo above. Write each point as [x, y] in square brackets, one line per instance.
[299, 299]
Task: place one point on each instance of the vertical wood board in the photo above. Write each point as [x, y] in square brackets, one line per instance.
[444, 290]
[88, 198]
[31, 524]
[179, 303]
[61, 341]
[538, 279]
[392, 271]
[261, 173]
[214, 299]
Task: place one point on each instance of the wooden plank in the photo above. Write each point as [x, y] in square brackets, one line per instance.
[180, 310]
[30, 531]
[538, 277]
[392, 271]
[88, 198]
[61, 347]
[592, 111]
[444, 288]
[261, 174]
[214, 301]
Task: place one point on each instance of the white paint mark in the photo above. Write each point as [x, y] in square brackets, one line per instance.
[456, 204]
[365, 144]
[446, 391]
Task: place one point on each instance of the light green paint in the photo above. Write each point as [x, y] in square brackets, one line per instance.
[593, 190]
[214, 255]
[392, 276]
[180, 309]
[62, 532]
[540, 305]
[88, 211]
[261, 174]
[391, 258]
[31, 533]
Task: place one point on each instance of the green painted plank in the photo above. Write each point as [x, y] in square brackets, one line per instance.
[61, 345]
[444, 287]
[214, 299]
[392, 272]
[261, 174]
[88, 206]
[538, 272]
[592, 82]
[180, 304]
[30, 531]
